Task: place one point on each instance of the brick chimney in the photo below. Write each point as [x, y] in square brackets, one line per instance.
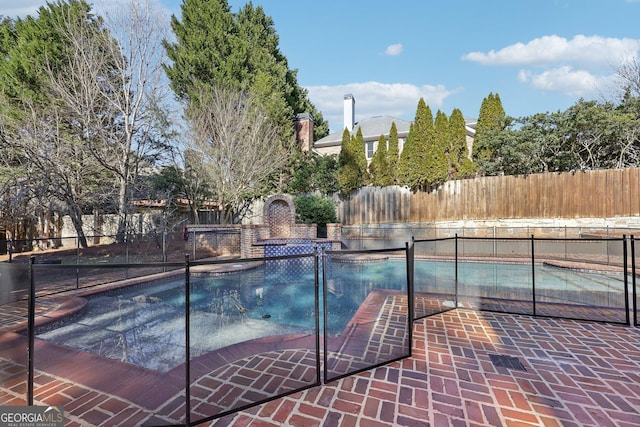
[303, 123]
[349, 111]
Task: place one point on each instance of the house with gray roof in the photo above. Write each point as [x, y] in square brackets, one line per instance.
[372, 128]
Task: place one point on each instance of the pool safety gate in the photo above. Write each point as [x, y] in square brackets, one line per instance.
[208, 384]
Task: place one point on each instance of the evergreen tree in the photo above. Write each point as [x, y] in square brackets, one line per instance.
[204, 51]
[392, 154]
[312, 172]
[348, 175]
[345, 157]
[437, 148]
[40, 133]
[216, 47]
[406, 174]
[352, 163]
[424, 140]
[357, 147]
[32, 46]
[265, 70]
[379, 171]
[490, 120]
[460, 166]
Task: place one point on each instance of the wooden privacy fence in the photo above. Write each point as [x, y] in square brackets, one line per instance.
[583, 194]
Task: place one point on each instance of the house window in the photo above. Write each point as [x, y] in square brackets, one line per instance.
[369, 148]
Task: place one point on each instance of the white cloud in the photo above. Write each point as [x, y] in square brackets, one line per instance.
[592, 51]
[566, 80]
[580, 67]
[394, 49]
[375, 98]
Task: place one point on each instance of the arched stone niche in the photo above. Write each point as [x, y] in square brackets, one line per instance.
[279, 214]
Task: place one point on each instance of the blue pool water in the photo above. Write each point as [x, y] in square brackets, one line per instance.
[145, 324]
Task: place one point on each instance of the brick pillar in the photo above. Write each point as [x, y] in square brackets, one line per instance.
[304, 131]
[251, 234]
[334, 232]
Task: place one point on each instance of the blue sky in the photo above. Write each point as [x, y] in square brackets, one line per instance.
[538, 55]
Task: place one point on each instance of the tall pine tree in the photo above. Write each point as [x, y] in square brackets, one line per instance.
[216, 47]
[490, 120]
[392, 154]
[406, 173]
[350, 172]
[460, 166]
[379, 171]
[437, 166]
[357, 147]
[414, 162]
[207, 51]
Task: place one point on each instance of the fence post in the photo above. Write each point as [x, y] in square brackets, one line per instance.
[456, 273]
[316, 278]
[164, 250]
[325, 346]
[495, 243]
[194, 244]
[126, 256]
[187, 339]
[77, 262]
[31, 321]
[634, 292]
[533, 274]
[625, 264]
[410, 276]
[608, 259]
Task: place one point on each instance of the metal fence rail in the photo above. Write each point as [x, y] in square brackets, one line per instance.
[581, 279]
[195, 340]
[165, 329]
[129, 249]
[634, 287]
[381, 329]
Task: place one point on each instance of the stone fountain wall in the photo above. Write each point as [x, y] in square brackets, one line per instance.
[278, 227]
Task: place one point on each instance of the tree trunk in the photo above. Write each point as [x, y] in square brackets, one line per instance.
[76, 218]
[123, 216]
[195, 213]
[227, 215]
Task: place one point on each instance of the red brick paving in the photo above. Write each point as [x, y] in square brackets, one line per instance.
[577, 374]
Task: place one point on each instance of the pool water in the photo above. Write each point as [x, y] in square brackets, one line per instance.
[501, 276]
[145, 324]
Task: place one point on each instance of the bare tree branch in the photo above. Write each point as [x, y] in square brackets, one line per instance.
[113, 87]
[629, 73]
[240, 147]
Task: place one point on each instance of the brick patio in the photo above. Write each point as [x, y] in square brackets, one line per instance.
[469, 368]
[575, 374]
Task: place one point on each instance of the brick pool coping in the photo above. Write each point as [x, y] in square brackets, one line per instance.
[152, 390]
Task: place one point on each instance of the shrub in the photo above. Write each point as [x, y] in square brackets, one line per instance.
[315, 210]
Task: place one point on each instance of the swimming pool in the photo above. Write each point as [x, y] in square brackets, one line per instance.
[145, 325]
